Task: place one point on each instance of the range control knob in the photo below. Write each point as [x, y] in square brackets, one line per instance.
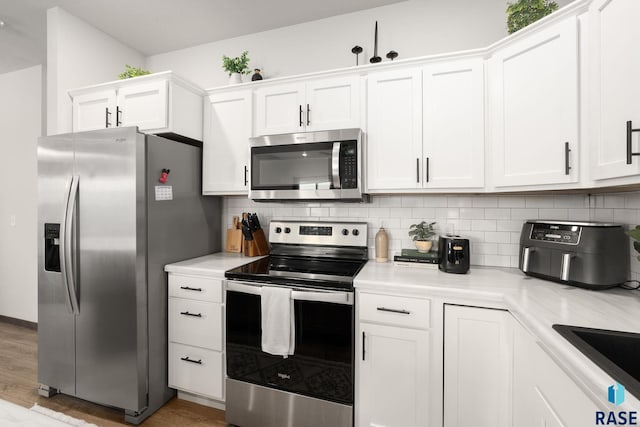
[345, 232]
[287, 230]
[355, 231]
[278, 230]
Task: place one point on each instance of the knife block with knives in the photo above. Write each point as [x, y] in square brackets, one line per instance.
[254, 241]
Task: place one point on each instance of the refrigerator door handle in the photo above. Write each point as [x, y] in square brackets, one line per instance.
[64, 244]
[68, 245]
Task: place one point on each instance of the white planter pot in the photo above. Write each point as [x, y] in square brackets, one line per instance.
[235, 78]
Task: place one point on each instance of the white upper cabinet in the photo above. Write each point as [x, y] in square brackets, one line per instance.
[94, 110]
[453, 124]
[314, 105]
[534, 125]
[143, 105]
[160, 103]
[225, 150]
[615, 88]
[394, 129]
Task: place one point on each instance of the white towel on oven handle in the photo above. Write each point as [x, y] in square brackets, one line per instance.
[278, 321]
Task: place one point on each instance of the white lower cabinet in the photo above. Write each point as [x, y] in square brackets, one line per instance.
[543, 394]
[477, 367]
[196, 340]
[393, 362]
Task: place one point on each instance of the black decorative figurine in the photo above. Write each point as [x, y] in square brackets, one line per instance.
[375, 59]
[356, 50]
[256, 75]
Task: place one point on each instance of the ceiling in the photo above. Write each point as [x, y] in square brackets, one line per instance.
[156, 26]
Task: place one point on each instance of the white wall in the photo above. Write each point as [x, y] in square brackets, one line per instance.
[412, 28]
[492, 223]
[20, 126]
[78, 55]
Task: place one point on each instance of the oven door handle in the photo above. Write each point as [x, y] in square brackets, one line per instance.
[298, 294]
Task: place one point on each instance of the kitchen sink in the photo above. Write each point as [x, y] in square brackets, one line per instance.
[617, 353]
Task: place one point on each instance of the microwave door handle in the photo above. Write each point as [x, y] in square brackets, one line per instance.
[335, 165]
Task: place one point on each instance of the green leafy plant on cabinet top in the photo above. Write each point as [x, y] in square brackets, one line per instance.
[525, 12]
[130, 71]
[239, 64]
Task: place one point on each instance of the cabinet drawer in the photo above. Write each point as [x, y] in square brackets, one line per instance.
[196, 370]
[196, 323]
[394, 310]
[195, 287]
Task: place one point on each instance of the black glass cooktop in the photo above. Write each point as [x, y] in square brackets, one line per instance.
[300, 271]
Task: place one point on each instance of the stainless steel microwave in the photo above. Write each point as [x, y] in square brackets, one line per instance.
[324, 165]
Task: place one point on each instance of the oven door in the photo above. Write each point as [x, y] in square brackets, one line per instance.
[322, 366]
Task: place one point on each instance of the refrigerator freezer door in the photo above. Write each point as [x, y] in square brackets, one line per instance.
[111, 328]
[56, 322]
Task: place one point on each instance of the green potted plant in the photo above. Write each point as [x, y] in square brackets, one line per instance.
[236, 66]
[421, 234]
[524, 12]
[635, 235]
[130, 72]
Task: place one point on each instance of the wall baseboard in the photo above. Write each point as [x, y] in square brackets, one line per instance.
[19, 322]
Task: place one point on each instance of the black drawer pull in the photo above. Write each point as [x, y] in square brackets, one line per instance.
[630, 131]
[186, 313]
[197, 362]
[187, 288]
[393, 310]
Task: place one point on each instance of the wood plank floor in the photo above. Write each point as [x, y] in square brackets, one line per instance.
[19, 383]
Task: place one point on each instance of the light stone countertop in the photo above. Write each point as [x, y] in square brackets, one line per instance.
[210, 265]
[536, 304]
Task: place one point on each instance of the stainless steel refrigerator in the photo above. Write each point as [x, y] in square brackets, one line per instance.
[107, 225]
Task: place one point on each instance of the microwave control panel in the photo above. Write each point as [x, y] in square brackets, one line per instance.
[557, 233]
[348, 164]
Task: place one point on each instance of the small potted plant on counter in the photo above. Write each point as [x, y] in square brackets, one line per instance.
[421, 234]
[236, 66]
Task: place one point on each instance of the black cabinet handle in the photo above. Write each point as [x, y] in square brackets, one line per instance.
[300, 115]
[186, 313]
[246, 170]
[187, 288]
[118, 114]
[393, 310]
[567, 150]
[308, 115]
[417, 170]
[630, 131]
[363, 338]
[187, 359]
[107, 115]
[426, 167]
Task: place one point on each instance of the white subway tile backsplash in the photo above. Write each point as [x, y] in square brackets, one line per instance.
[492, 223]
[554, 213]
[497, 236]
[448, 213]
[485, 202]
[497, 213]
[571, 201]
[427, 214]
[538, 202]
[472, 213]
[483, 224]
[526, 213]
[459, 202]
[511, 202]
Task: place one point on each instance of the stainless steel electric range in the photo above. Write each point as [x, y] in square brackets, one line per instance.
[312, 386]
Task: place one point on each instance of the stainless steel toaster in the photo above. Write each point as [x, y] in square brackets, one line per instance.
[593, 255]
